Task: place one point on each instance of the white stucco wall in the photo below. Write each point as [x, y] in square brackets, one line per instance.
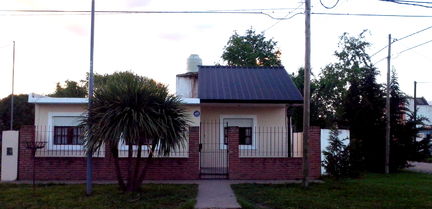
[422, 111]
[9, 163]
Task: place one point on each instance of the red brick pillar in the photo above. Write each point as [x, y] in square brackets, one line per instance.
[314, 152]
[25, 160]
[233, 152]
[194, 136]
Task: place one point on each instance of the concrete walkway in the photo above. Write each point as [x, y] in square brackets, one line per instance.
[216, 194]
[420, 167]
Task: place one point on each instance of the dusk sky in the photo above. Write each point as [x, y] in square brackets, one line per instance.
[52, 48]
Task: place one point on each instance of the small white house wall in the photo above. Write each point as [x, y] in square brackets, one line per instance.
[422, 111]
[266, 115]
[325, 134]
[187, 87]
[42, 111]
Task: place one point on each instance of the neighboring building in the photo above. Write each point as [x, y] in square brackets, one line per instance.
[424, 110]
[240, 129]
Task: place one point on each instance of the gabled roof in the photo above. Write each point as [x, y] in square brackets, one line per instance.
[421, 101]
[246, 85]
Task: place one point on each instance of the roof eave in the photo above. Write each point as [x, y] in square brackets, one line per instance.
[251, 101]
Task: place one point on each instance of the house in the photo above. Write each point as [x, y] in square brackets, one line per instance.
[424, 110]
[239, 129]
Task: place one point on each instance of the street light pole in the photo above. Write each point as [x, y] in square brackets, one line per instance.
[13, 86]
[89, 186]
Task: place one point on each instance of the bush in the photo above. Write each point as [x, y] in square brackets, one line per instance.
[337, 156]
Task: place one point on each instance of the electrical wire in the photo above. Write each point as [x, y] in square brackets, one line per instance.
[83, 12]
[329, 7]
[400, 39]
[405, 50]
[370, 15]
[4, 46]
[285, 17]
[411, 3]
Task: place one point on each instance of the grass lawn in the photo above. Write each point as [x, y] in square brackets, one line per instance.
[402, 190]
[105, 196]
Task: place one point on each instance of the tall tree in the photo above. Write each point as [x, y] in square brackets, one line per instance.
[297, 115]
[138, 112]
[336, 78]
[23, 112]
[70, 89]
[251, 50]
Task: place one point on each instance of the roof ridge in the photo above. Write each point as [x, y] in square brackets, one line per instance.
[240, 67]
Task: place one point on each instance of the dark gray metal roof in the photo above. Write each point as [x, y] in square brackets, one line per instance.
[246, 85]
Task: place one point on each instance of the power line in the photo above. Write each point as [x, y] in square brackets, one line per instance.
[4, 46]
[403, 51]
[370, 15]
[83, 12]
[285, 18]
[407, 36]
[257, 11]
[411, 3]
[329, 7]
[414, 47]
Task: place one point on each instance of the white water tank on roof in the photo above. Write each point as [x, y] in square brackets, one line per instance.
[192, 63]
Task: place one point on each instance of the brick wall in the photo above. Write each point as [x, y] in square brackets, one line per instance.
[272, 168]
[74, 168]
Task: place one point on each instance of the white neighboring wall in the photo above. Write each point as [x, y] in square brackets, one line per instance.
[422, 111]
[9, 158]
[325, 134]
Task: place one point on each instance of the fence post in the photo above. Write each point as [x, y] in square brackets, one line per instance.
[314, 152]
[9, 158]
[233, 152]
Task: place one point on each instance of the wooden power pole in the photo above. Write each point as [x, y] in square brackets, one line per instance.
[306, 94]
[387, 140]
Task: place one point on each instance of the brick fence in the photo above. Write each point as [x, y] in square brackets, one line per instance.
[272, 168]
[74, 168]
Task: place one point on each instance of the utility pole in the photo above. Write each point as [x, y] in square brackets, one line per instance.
[13, 85]
[415, 100]
[387, 140]
[89, 182]
[306, 94]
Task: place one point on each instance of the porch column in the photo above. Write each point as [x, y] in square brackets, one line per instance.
[233, 152]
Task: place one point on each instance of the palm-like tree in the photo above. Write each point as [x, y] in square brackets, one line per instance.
[138, 112]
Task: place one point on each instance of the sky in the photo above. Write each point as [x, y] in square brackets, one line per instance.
[54, 48]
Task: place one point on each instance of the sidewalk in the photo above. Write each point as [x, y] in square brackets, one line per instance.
[420, 167]
[216, 194]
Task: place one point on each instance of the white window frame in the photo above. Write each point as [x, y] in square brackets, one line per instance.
[222, 126]
[122, 146]
[50, 143]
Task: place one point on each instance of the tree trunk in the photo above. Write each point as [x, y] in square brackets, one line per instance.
[145, 168]
[115, 154]
[134, 185]
[130, 167]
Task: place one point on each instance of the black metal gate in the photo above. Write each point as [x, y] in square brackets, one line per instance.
[213, 151]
